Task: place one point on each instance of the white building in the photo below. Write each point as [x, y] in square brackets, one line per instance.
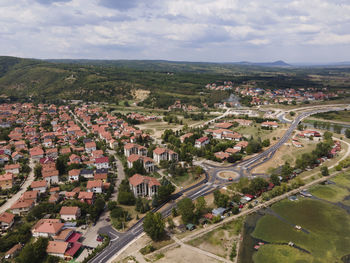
[143, 185]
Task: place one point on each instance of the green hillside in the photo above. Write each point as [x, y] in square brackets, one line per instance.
[113, 80]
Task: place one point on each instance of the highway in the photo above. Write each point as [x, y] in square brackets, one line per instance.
[206, 186]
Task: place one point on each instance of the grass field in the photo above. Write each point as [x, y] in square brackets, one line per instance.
[280, 254]
[343, 116]
[328, 240]
[332, 193]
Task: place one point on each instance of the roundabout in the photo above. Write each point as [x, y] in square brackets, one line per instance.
[228, 175]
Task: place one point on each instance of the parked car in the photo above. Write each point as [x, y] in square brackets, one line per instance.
[99, 238]
[230, 179]
[108, 219]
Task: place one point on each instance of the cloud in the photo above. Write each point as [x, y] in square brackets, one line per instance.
[221, 30]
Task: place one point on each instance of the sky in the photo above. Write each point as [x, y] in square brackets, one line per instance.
[296, 31]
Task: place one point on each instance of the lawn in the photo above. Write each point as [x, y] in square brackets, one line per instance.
[343, 180]
[329, 227]
[281, 253]
[332, 193]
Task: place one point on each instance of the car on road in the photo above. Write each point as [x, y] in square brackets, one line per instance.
[108, 219]
[230, 179]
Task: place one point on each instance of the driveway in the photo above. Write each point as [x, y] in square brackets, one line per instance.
[24, 187]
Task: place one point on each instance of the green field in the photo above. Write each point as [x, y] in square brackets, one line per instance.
[332, 193]
[280, 254]
[343, 116]
[328, 240]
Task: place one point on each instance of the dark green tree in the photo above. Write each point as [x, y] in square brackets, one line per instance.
[153, 225]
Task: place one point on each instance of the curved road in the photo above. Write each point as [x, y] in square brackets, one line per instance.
[200, 189]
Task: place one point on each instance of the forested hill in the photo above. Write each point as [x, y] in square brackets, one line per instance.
[113, 80]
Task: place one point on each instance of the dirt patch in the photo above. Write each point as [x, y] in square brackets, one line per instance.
[140, 94]
[185, 255]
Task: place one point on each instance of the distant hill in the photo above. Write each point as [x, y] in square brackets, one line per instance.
[167, 81]
[278, 63]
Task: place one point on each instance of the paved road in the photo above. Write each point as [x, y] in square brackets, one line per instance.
[205, 187]
[24, 187]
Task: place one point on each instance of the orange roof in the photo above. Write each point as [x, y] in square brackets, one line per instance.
[137, 179]
[6, 177]
[12, 166]
[6, 217]
[57, 247]
[37, 184]
[69, 210]
[51, 226]
[224, 125]
[50, 173]
[94, 183]
[74, 172]
[86, 195]
[133, 158]
[28, 195]
[159, 150]
[22, 204]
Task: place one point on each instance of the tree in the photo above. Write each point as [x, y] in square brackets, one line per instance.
[347, 133]
[185, 207]
[34, 252]
[153, 225]
[38, 170]
[327, 135]
[201, 205]
[274, 179]
[220, 199]
[165, 190]
[324, 171]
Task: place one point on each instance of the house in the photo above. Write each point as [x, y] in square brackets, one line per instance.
[12, 168]
[232, 136]
[297, 144]
[52, 152]
[14, 251]
[90, 147]
[102, 162]
[308, 133]
[163, 154]
[94, 186]
[147, 162]
[220, 211]
[143, 185]
[36, 153]
[222, 155]
[6, 181]
[40, 186]
[57, 248]
[223, 125]
[50, 176]
[22, 206]
[54, 198]
[101, 176]
[86, 197]
[70, 213]
[200, 142]
[269, 124]
[86, 173]
[185, 136]
[47, 228]
[73, 175]
[6, 220]
[74, 159]
[30, 195]
[231, 151]
[132, 148]
[241, 145]
[16, 156]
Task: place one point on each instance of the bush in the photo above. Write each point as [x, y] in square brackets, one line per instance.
[147, 249]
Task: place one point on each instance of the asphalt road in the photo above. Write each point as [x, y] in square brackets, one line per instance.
[202, 188]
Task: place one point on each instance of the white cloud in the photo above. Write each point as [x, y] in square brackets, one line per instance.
[221, 30]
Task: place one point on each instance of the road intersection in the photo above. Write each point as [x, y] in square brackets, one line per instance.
[206, 186]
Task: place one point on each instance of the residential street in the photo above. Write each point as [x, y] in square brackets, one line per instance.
[24, 187]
